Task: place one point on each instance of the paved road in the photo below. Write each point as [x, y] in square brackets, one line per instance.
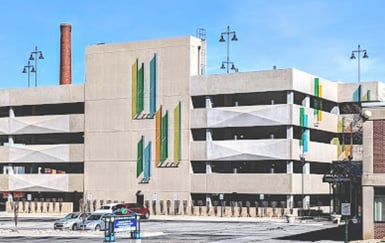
[162, 230]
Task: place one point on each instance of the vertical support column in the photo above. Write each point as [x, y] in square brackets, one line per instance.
[10, 140]
[368, 211]
[209, 137]
[11, 112]
[289, 132]
[289, 167]
[290, 97]
[209, 167]
[306, 101]
[306, 173]
[290, 202]
[209, 103]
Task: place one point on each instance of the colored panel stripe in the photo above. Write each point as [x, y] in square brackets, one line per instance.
[139, 162]
[153, 85]
[301, 123]
[306, 135]
[134, 87]
[177, 133]
[164, 144]
[140, 96]
[158, 126]
[320, 92]
[316, 86]
[147, 162]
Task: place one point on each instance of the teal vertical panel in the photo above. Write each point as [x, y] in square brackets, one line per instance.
[140, 90]
[153, 85]
[147, 162]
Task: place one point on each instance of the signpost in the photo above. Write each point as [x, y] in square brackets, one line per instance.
[116, 224]
[345, 211]
[221, 197]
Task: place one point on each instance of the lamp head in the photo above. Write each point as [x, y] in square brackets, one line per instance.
[222, 39]
[352, 56]
[233, 67]
[33, 69]
[223, 66]
[234, 37]
[24, 70]
[41, 55]
[365, 55]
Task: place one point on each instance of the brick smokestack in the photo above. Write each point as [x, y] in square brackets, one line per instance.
[65, 54]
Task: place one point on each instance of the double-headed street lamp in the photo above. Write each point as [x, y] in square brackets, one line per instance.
[358, 51]
[34, 56]
[27, 69]
[222, 39]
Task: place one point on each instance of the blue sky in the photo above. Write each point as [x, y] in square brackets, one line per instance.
[314, 36]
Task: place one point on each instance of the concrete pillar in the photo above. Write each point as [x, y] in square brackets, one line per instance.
[11, 112]
[209, 103]
[208, 167]
[289, 132]
[367, 212]
[306, 101]
[65, 54]
[290, 97]
[209, 137]
[289, 167]
[290, 201]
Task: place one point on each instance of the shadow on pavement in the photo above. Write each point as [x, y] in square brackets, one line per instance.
[331, 234]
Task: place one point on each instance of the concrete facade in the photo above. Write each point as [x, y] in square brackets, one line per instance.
[148, 120]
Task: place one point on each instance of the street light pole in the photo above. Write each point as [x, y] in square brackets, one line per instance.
[34, 56]
[26, 69]
[234, 38]
[358, 51]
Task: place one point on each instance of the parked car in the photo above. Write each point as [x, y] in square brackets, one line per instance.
[142, 210]
[109, 208]
[70, 221]
[95, 221]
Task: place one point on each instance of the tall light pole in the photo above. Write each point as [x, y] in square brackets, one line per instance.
[34, 56]
[358, 51]
[222, 39]
[27, 69]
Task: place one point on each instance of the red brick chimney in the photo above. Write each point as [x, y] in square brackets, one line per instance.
[65, 54]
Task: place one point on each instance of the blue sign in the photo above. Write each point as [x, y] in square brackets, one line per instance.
[122, 224]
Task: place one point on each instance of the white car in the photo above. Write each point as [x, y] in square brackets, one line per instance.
[95, 221]
[108, 208]
[70, 221]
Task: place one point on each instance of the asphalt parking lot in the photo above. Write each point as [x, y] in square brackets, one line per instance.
[182, 228]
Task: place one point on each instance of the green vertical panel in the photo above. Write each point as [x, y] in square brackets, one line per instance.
[316, 87]
[134, 91]
[316, 94]
[140, 89]
[139, 161]
[302, 123]
[164, 144]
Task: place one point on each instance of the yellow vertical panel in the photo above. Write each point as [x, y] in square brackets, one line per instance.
[319, 115]
[320, 108]
[134, 87]
[158, 139]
